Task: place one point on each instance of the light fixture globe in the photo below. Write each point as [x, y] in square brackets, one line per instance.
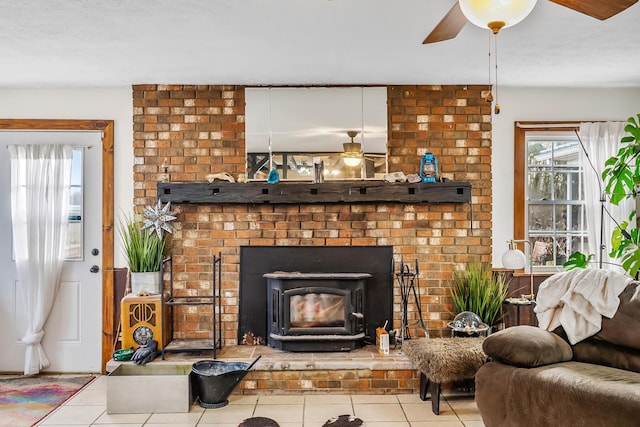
[514, 259]
[496, 14]
[351, 161]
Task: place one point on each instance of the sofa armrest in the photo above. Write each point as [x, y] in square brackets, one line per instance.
[527, 347]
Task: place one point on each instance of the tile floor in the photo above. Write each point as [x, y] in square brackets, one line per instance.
[88, 408]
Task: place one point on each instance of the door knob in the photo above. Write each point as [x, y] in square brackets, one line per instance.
[94, 269]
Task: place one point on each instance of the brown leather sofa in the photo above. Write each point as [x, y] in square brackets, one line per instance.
[535, 378]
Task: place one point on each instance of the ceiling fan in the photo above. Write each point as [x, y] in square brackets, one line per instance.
[458, 15]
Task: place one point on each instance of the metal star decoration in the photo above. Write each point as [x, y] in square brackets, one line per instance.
[158, 218]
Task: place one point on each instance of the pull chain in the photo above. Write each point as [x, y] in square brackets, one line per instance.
[495, 41]
[489, 97]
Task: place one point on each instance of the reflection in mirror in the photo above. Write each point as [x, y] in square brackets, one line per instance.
[290, 129]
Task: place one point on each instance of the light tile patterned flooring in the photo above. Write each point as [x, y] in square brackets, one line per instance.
[88, 408]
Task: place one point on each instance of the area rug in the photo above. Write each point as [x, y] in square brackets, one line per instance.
[26, 400]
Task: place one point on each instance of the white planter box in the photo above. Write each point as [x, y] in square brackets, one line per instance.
[146, 282]
[133, 389]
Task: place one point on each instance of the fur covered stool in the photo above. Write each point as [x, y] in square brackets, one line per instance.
[441, 360]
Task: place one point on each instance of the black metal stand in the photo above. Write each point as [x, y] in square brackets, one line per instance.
[214, 301]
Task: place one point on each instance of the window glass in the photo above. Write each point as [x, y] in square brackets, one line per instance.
[554, 201]
[74, 246]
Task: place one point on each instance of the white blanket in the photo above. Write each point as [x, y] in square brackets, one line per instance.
[577, 300]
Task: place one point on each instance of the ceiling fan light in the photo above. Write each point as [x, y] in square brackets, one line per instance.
[484, 12]
[352, 161]
[352, 155]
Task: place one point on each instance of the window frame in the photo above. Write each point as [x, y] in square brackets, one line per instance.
[520, 171]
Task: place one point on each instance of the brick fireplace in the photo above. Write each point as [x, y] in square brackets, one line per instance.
[200, 130]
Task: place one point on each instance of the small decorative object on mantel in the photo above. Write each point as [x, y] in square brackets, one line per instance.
[413, 178]
[429, 168]
[318, 172]
[222, 176]
[395, 177]
[273, 177]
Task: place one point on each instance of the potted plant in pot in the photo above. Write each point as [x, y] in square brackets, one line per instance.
[479, 290]
[145, 245]
[621, 176]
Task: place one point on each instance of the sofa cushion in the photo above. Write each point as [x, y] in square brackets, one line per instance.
[593, 350]
[527, 346]
[624, 327]
[562, 394]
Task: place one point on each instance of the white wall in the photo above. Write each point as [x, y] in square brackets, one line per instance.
[535, 104]
[108, 104]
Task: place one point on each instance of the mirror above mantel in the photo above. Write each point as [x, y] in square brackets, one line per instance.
[290, 129]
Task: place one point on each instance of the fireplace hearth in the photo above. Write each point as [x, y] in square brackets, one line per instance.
[376, 261]
[316, 311]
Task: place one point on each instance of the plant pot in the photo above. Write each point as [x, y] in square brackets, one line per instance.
[149, 282]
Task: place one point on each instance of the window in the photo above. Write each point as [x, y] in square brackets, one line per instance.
[549, 194]
[74, 245]
[75, 232]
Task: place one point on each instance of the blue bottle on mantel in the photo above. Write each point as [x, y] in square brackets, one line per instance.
[429, 168]
[273, 177]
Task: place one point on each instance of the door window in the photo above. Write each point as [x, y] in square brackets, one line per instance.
[75, 242]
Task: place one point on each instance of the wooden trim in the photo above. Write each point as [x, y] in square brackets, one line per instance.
[306, 192]
[518, 182]
[108, 332]
[519, 167]
[106, 126]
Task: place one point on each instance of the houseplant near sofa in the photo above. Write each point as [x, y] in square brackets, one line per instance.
[479, 290]
[621, 177]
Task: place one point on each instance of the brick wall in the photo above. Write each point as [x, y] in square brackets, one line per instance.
[352, 381]
[200, 130]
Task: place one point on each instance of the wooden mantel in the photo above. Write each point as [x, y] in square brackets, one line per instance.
[307, 192]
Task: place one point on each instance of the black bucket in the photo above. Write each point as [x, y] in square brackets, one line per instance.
[212, 381]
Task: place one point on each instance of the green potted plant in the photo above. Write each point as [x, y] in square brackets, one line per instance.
[479, 290]
[145, 245]
[621, 176]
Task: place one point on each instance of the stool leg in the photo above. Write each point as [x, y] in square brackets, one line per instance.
[434, 390]
[424, 385]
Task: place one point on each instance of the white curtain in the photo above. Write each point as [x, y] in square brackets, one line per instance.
[40, 181]
[601, 141]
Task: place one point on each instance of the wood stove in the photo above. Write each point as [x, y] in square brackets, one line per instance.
[256, 261]
[316, 311]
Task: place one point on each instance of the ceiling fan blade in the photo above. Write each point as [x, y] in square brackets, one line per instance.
[448, 27]
[600, 9]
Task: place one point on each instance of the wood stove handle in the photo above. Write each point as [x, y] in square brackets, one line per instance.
[358, 315]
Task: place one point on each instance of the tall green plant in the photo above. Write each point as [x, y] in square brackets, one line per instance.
[143, 248]
[480, 290]
[621, 177]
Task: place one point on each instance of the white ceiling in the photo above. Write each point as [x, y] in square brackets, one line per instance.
[65, 43]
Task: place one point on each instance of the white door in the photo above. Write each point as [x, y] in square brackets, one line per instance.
[73, 332]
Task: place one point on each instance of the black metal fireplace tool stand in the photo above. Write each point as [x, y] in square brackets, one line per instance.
[409, 284]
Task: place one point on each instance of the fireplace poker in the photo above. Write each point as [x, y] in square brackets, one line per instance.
[409, 283]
